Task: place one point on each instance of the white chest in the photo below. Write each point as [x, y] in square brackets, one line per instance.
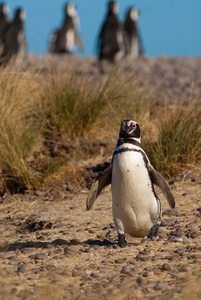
[134, 202]
[70, 39]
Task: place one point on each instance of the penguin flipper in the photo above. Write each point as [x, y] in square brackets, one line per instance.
[163, 185]
[79, 42]
[97, 187]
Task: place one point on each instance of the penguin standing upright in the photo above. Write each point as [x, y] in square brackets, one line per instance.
[135, 205]
[132, 31]
[111, 40]
[3, 20]
[65, 38]
[13, 39]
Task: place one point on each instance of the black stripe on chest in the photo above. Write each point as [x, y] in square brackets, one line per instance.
[131, 150]
[126, 149]
[128, 141]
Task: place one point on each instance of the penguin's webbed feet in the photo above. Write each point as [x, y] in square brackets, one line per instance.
[121, 240]
[154, 231]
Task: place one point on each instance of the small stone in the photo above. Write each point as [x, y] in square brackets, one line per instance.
[22, 269]
[166, 267]
[80, 230]
[164, 223]
[195, 235]
[160, 286]
[120, 260]
[71, 250]
[126, 269]
[142, 257]
[86, 249]
[60, 242]
[26, 250]
[96, 247]
[145, 274]
[176, 233]
[162, 235]
[40, 256]
[178, 239]
[156, 271]
[99, 275]
[171, 212]
[50, 267]
[141, 281]
[91, 231]
[157, 257]
[75, 242]
[8, 255]
[147, 250]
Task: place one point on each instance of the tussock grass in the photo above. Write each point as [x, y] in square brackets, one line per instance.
[72, 103]
[37, 107]
[20, 126]
[178, 140]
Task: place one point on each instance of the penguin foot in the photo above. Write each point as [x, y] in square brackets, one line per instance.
[121, 240]
[154, 231]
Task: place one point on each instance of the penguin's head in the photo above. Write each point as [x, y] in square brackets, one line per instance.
[20, 14]
[71, 10]
[113, 7]
[130, 129]
[133, 13]
[4, 9]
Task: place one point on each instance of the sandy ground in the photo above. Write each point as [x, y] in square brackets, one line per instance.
[52, 248]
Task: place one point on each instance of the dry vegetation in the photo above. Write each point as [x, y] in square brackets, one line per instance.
[40, 108]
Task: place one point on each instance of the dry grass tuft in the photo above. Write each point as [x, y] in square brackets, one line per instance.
[178, 140]
[41, 111]
[20, 126]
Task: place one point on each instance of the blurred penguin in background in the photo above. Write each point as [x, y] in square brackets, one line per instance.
[13, 38]
[66, 37]
[3, 19]
[132, 31]
[111, 41]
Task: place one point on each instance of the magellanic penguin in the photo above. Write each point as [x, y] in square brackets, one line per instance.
[135, 205]
[3, 19]
[66, 37]
[133, 34]
[111, 41]
[13, 39]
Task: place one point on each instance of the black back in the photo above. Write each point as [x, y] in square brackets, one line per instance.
[108, 45]
[59, 42]
[3, 20]
[13, 38]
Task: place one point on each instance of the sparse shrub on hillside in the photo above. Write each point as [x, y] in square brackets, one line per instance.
[179, 140]
[72, 103]
[20, 126]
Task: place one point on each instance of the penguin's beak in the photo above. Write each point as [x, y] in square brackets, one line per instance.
[128, 126]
